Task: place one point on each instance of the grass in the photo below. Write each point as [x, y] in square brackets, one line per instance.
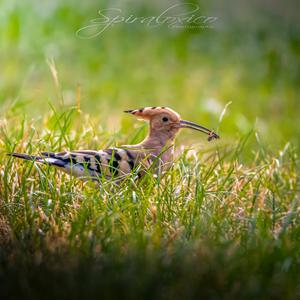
[223, 223]
[211, 226]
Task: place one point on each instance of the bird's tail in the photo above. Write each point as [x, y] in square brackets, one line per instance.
[26, 156]
[57, 162]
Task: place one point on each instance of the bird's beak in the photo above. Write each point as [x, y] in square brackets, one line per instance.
[191, 125]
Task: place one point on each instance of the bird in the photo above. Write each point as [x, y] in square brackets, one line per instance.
[154, 153]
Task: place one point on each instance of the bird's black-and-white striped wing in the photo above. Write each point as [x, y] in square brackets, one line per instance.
[96, 164]
[108, 163]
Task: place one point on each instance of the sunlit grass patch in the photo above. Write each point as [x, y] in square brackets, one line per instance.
[210, 216]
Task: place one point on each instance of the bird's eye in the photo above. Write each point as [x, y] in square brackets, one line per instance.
[165, 119]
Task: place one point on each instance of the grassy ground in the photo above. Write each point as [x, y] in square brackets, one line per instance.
[222, 223]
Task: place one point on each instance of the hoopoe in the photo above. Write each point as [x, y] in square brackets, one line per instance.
[156, 150]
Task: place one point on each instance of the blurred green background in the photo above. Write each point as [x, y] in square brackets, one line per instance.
[250, 57]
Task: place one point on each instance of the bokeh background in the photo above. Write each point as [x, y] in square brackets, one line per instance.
[249, 58]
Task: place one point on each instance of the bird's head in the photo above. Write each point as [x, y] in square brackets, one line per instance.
[166, 121]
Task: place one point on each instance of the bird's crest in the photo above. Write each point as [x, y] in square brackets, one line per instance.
[148, 112]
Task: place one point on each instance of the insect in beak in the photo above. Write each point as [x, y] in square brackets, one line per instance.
[187, 124]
